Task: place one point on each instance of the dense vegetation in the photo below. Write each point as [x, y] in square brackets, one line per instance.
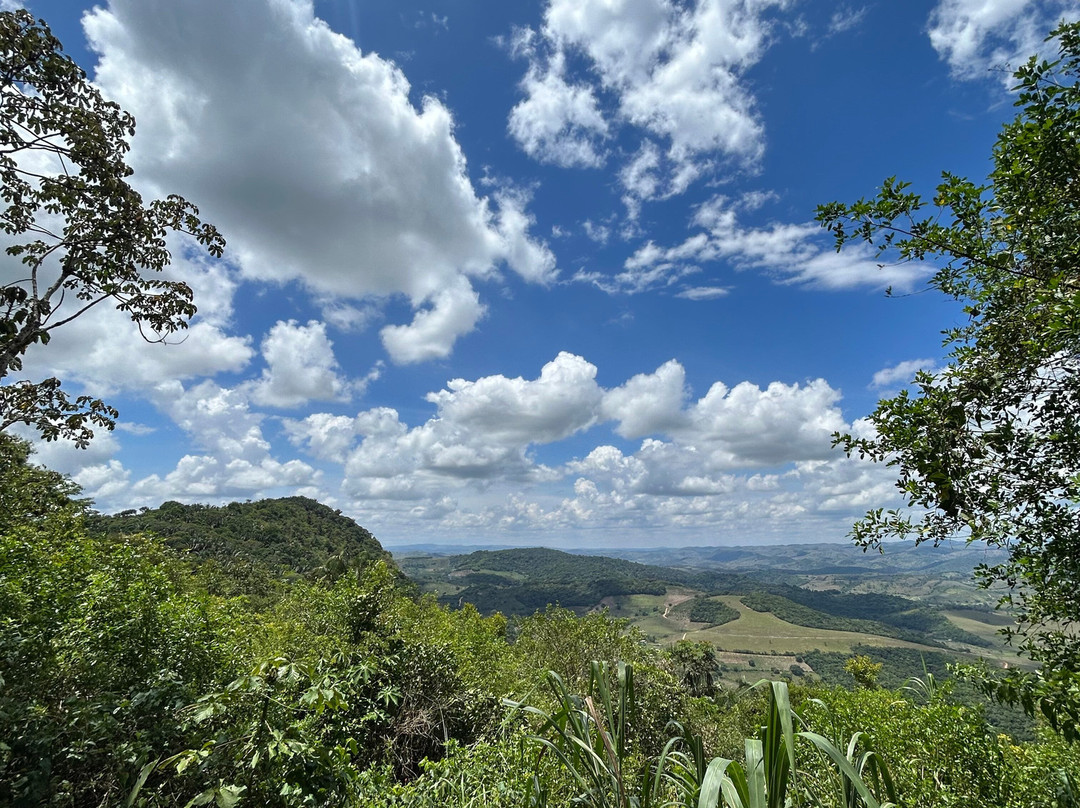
[901, 665]
[294, 533]
[131, 675]
[713, 612]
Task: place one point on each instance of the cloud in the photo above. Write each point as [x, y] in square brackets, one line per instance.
[198, 478]
[728, 428]
[300, 367]
[560, 402]
[218, 419]
[599, 233]
[976, 36]
[533, 260]
[558, 122]
[236, 459]
[324, 436]
[104, 480]
[453, 311]
[672, 72]
[704, 292]
[309, 155]
[65, 457]
[901, 374]
[747, 426]
[481, 431]
[845, 18]
[85, 350]
[790, 253]
[742, 457]
[649, 402]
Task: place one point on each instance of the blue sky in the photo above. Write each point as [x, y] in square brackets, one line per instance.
[530, 273]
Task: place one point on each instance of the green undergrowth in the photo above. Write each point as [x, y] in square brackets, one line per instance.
[132, 676]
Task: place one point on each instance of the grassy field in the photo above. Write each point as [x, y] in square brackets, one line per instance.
[754, 632]
[641, 609]
[988, 625]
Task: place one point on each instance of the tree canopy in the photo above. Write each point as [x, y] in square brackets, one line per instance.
[988, 449]
[292, 532]
[80, 232]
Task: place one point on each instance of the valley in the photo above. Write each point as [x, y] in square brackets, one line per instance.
[766, 611]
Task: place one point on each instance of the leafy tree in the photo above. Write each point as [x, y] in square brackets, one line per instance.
[80, 232]
[864, 671]
[29, 492]
[696, 663]
[939, 754]
[713, 612]
[988, 449]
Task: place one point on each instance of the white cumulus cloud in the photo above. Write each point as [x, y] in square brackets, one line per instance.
[309, 155]
[558, 122]
[300, 367]
[672, 71]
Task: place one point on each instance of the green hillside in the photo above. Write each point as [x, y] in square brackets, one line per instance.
[294, 533]
[888, 616]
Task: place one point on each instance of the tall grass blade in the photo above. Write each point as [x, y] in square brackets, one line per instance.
[847, 770]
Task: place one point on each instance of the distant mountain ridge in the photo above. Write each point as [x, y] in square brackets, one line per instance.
[297, 533]
[833, 558]
[820, 559]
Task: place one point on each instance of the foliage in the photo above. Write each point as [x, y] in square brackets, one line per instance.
[989, 448]
[1046, 773]
[588, 738]
[901, 665]
[864, 671]
[79, 230]
[99, 647]
[770, 777]
[696, 664]
[520, 599]
[296, 533]
[124, 680]
[521, 581]
[29, 492]
[486, 774]
[884, 615]
[560, 641]
[939, 753]
[540, 562]
[711, 611]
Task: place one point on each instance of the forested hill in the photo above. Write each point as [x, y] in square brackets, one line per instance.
[293, 532]
[541, 563]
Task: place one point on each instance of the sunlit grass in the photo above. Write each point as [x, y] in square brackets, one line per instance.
[763, 633]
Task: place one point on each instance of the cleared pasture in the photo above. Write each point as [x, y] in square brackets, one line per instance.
[760, 633]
